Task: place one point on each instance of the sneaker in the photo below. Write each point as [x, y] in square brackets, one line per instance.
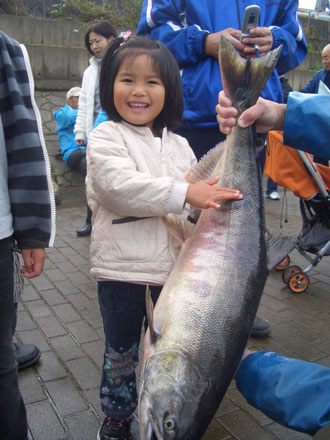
[84, 231]
[27, 355]
[273, 195]
[260, 328]
[113, 430]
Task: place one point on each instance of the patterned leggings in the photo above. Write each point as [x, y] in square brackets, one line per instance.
[123, 310]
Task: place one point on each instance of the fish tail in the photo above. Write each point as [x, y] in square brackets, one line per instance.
[243, 80]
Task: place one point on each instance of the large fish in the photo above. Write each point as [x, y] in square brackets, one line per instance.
[203, 317]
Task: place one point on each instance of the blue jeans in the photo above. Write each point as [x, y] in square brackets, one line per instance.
[13, 424]
[123, 310]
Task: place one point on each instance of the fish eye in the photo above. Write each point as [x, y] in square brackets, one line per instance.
[170, 423]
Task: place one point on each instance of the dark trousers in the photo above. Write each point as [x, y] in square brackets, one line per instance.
[77, 162]
[201, 141]
[13, 424]
[123, 311]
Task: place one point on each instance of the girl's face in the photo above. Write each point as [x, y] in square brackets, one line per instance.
[98, 44]
[139, 93]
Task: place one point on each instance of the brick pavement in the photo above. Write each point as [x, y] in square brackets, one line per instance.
[60, 314]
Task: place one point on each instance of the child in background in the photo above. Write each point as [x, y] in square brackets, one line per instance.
[135, 176]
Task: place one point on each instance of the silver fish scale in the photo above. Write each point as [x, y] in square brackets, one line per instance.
[217, 267]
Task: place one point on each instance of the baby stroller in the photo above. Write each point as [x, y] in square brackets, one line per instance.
[296, 171]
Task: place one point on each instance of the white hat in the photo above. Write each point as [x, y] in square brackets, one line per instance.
[75, 91]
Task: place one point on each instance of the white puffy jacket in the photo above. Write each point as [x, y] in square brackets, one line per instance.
[128, 187]
[85, 118]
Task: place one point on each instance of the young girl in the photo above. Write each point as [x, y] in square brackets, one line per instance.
[135, 176]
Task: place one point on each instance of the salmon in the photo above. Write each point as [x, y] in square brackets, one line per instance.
[202, 320]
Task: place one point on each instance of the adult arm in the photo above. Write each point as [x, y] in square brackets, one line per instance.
[312, 85]
[80, 126]
[165, 22]
[306, 123]
[292, 392]
[65, 118]
[287, 30]
[304, 120]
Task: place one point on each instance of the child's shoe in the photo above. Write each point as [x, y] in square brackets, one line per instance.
[114, 430]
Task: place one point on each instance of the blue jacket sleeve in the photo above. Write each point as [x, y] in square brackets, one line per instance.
[287, 30]
[163, 24]
[292, 392]
[306, 123]
[313, 85]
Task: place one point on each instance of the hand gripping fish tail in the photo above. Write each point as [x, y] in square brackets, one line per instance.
[202, 320]
[243, 80]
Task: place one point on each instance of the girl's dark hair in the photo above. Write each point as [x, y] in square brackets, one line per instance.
[101, 27]
[164, 64]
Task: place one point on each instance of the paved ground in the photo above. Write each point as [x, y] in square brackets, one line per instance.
[60, 314]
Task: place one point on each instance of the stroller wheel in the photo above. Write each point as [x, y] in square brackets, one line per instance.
[298, 282]
[283, 264]
[288, 272]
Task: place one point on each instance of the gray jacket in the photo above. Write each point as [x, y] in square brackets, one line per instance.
[28, 211]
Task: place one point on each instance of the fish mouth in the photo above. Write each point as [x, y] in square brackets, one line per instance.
[151, 431]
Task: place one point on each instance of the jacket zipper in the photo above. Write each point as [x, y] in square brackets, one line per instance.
[162, 154]
[43, 144]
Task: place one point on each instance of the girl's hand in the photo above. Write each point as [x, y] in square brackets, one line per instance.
[205, 195]
[80, 142]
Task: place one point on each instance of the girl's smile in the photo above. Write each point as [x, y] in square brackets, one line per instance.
[139, 93]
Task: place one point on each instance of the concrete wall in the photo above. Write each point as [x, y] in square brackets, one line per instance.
[58, 58]
[56, 48]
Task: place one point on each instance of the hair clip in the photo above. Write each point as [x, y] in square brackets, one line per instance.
[125, 35]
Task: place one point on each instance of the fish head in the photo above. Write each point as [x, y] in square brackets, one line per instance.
[169, 397]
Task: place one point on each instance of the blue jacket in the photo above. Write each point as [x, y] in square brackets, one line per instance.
[101, 117]
[306, 123]
[313, 85]
[292, 392]
[182, 24]
[65, 120]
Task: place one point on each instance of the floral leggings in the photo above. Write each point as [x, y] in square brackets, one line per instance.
[123, 311]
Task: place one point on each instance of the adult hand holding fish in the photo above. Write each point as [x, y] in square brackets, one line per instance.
[267, 115]
[205, 194]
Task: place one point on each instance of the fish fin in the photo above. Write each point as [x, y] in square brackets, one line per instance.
[179, 228]
[150, 314]
[278, 247]
[206, 165]
[243, 80]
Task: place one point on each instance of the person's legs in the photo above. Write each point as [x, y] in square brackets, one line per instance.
[271, 189]
[123, 310]
[77, 162]
[13, 423]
